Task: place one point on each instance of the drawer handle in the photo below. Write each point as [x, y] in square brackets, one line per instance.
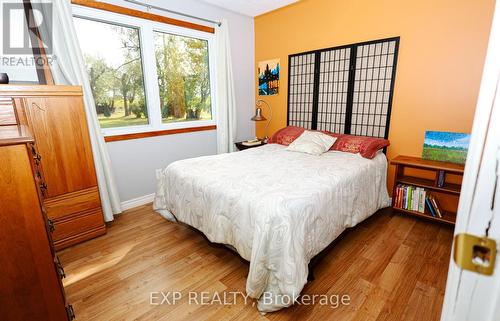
[52, 226]
[43, 188]
[60, 268]
[70, 312]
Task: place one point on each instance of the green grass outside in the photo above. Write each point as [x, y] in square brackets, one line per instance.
[122, 121]
[118, 119]
[203, 116]
[445, 155]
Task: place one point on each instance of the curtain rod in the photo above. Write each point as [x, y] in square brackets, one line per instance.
[149, 7]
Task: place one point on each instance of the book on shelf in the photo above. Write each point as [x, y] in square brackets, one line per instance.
[429, 206]
[397, 196]
[436, 206]
[416, 199]
[441, 178]
[421, 203]
[410, 198]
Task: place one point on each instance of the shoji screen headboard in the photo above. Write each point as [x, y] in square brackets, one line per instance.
[346, 89]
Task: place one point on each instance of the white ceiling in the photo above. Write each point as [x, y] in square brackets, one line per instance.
[250, 8]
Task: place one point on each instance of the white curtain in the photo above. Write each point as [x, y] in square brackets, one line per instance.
[226, 104]
[68, 69]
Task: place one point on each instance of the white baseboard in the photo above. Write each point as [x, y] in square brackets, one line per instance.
[135, 202]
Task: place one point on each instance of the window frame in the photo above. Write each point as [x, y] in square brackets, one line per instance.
[146, 29]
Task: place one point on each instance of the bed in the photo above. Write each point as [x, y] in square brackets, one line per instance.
[276, 208]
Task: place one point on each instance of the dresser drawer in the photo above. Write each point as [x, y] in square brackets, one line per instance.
[81, 225]
[77, 217]
[7, 112]
[71, 203]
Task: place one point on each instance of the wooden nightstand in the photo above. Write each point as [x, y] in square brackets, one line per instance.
[240, 145]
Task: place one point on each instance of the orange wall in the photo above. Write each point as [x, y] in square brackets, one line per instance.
[441, 55]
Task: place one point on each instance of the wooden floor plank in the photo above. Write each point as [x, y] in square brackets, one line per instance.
[391, 267]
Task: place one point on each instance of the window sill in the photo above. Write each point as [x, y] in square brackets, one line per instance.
[153, 133]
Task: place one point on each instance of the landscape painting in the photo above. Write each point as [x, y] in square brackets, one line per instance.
[269, 77]
[446, 146]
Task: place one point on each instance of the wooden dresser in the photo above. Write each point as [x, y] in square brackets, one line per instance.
[55, 116]
[30, 277]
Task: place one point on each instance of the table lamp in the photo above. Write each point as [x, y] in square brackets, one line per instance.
[259, 117]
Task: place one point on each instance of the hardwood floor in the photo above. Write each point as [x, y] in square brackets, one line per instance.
[391, 267]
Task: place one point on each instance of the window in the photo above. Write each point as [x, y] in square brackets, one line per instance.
[114, 65]
[183, 77]
[145, 75]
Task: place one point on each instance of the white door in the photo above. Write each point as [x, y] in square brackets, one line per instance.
[469, 295]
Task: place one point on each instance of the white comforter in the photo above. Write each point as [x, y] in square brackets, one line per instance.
[277, 208]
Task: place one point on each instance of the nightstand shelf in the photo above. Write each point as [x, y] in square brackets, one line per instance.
[240, 145]
[418, 167]
[429, 184]
[448, 217]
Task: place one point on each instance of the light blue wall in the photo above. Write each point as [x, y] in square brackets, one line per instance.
[134, 161]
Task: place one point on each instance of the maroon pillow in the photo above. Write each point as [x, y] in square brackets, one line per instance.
[365, 146]
[285, 136]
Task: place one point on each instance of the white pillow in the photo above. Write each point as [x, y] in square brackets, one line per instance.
[315, 143]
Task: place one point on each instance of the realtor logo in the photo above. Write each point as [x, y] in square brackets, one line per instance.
[22, 25]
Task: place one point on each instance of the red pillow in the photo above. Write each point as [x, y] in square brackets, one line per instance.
[365, 146]
[285, 136]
